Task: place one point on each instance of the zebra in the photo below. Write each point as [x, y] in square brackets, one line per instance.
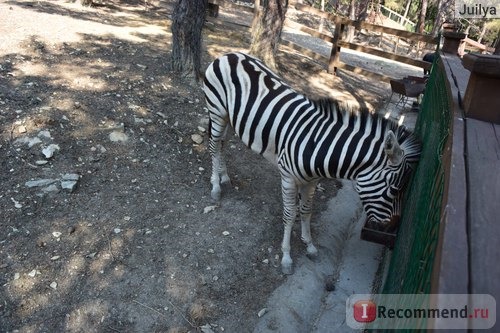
[307, 140]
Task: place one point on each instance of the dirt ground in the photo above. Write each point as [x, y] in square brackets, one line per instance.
[133, 243]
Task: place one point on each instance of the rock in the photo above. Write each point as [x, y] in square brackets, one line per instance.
[41, 162]
[44, 134]
[40, 182]
[208, 209]
[70, 176]
[68, 185]
[26, 140]
[262, 312]
[207, 329]
[57, 234]
[53, 285]
[16, 203]
[198, 139]
[49, 151]
[54, 258]
[201, 129]
[117, 136]
[225, 233]
[17, 276]
[33, 273]
[117, 230]
[21, 129]
[265, 261]
[50, 188]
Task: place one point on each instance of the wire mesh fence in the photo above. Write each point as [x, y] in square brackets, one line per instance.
[410, 268]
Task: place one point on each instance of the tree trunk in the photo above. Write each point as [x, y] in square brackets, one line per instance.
[497, 46]
[352, 16]
[421, 18]
[439, 19]
[187, 24]
[266, 31]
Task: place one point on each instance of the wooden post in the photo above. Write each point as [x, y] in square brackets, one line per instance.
[335, 54]
[481, 98]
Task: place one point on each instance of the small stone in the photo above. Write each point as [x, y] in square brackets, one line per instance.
[41, 162]
[44, 134]
[54, 258]
[49, 151]
[225, 233]
[117, 136]
[17, 276]
[40, 182]
[265, 261]
[262, 312]
[16, 203]
[77, 105]
[215, 278]
[198, 139]
[127, 218]
[208, 209]
[117, 230]
[57, 234]
[21, 129]
[33, 273]
[50, 188]
[69, 185]
[207, 329]
[70, 176]
[53, 285]
[211, 251]
[201, 129]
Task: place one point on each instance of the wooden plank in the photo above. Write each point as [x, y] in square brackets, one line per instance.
[364, 72]
[476, 45]
[483, 161]
[310, 31]
[305, 51]
[227, 4]
[368, 26]
[236, 26]
[387, 55]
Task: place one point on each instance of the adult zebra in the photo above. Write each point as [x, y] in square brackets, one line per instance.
[307, 140]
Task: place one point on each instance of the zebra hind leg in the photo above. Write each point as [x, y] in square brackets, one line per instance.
[289, 192]
[217, 133]
[306, 194]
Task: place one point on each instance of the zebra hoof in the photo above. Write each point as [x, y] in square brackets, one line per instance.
[287, 269]
[312, 255]
[312, 252]
[215, 195]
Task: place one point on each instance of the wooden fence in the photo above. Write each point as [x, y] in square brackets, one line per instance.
[337, 41]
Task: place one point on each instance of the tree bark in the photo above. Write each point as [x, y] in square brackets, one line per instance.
[421, 18]
[266, 30]
[187, 24]
[497, 46]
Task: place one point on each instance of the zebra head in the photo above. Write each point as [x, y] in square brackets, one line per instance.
[381, 188]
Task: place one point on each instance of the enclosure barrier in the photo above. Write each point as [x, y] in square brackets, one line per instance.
[411, 264]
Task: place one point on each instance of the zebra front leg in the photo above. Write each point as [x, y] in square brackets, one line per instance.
[306, 194]
[289, 193]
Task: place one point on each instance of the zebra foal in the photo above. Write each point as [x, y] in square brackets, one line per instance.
[307, 140]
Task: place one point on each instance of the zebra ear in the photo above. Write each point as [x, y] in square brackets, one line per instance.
[392, 149]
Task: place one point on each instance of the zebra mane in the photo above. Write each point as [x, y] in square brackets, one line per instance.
[349, 111]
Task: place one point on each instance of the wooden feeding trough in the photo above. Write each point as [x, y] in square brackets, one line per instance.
[385, 234]
[382, 235]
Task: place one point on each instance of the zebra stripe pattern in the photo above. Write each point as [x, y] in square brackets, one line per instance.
[307, 140]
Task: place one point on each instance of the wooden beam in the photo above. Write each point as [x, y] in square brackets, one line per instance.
[386, 55]
[364, 72]
[368, 26]
[305, 51]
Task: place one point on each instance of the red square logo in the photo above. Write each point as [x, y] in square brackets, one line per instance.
[365, 311]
